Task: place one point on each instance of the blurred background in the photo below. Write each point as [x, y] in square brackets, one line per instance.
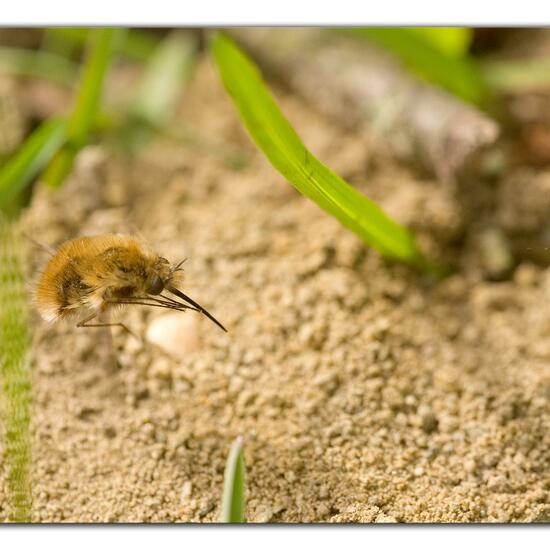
[441, 100]
[503, 72]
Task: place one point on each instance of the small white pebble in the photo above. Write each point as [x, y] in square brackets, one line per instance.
[470, 466]
[148, 429]
[175, 333]
[186, 490]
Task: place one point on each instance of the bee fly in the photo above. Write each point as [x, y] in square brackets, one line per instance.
[88, 277]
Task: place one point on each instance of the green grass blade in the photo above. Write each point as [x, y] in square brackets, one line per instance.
[279, 142]
[85, 112]
[15, 371]
[137, 45]
[168, 68]
[154, 102]
[60, 167]
[234, 499]
[87, 102]
[453, 41]
[37, 151]
[459, 75]
[38, 64]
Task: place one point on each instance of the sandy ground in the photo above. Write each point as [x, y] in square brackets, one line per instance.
[364, 391]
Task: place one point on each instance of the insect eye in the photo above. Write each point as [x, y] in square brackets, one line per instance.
[156, 286]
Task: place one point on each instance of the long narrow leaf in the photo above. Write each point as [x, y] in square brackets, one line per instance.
[458, 75]
[166, 72]
[153, 104]
[29, 161]
[276, 138]
[87, 102]
[84, 114]
[15, 372]
[234, 499]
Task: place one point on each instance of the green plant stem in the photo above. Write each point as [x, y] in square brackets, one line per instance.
[16, 376]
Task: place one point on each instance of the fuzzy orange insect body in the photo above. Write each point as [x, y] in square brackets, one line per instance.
[89, 276]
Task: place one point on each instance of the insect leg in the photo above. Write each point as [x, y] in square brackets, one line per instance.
[85, 324]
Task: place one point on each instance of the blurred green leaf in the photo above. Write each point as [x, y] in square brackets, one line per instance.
[154, 102]
[38, 149]
[91, 86]
[137, 45]
[83, 116]
[60, 167]
[167, 69]
[152, 107]
[38, 64]
[277, 139]
[459, 75]
[517, 76]
[234, 499]
[452, 41]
